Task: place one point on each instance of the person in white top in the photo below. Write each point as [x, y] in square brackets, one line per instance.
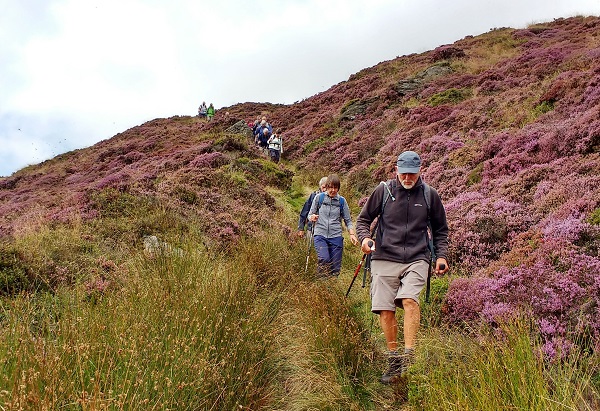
[275, 144]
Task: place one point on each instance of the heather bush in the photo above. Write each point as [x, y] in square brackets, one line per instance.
[560, 291]
[185, 194]
[515, 159]
[475, 176]
[482, 228]
[231, 142]
[209, 160]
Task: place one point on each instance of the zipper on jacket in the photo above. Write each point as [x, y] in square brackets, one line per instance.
[329, 216]
[406, 222]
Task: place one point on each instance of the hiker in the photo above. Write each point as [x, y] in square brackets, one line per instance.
[275, 144]
[202, 110]
[210, 112]
[256, 129]
[327, 212]
[400, 254]
[264, 132]
[303, 223]
[264, 123]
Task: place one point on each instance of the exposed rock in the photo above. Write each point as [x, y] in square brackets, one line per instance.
[240, 128]
[408, 85]
[434, 72]
[356, 107]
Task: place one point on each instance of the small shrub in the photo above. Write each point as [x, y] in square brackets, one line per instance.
[594, 217]
[111, 202]
[231, 142]
[543, 107]
[475, 176]
[13, 272]
[186, 195]
[450, 96]
[315, 144]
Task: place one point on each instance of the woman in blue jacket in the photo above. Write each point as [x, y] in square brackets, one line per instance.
[327, 212]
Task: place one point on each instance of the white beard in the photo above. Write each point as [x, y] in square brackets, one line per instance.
[407, 185]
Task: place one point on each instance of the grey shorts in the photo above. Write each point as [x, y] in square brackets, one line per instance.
[393, 282]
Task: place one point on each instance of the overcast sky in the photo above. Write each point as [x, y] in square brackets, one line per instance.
[75, 72]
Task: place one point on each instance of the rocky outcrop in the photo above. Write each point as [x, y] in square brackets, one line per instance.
[240, 128]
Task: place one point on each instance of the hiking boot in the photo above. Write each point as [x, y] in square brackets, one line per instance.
[407, 360]
[394, 371]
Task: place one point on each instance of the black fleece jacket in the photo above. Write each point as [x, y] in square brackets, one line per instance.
[402, 229]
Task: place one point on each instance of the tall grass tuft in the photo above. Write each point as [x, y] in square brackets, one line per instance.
[505, 371]
[188, 332]
[329, 355]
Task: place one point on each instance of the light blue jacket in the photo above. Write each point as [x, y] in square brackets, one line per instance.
[329, 224]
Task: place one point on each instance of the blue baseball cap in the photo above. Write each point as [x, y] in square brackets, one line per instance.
[409, 162]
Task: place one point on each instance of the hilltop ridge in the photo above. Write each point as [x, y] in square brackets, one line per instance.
[508, 125]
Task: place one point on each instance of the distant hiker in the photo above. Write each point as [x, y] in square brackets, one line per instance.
[264, 132]
[210, 112]
[256, 129]
[400, 254]
[264, 123]
[327, 212]
[275, 146]
[202, 110]
[303, 223]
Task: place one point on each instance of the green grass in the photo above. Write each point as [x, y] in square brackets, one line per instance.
[504, 371]
[249, 330]
[450, 96]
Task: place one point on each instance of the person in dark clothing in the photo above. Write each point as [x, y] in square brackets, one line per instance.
[400, 253]
[303, 223]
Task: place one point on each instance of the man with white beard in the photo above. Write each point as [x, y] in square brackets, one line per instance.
[406, 209]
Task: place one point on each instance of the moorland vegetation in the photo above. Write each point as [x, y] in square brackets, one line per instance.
[223, 315]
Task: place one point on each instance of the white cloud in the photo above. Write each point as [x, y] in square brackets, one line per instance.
[82, 71]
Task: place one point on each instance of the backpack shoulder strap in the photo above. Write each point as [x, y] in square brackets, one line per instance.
[387, 194]
[427, 195]
[321, 198]
[342, 202]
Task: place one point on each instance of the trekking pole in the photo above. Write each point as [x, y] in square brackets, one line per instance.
[367, 265]
[358, 269]
[367, 269]
[371, 244]
[310, 240]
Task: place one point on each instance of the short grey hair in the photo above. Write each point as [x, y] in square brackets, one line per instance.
[322, 181]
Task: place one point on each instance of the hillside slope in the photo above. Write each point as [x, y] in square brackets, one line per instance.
[508, 124]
